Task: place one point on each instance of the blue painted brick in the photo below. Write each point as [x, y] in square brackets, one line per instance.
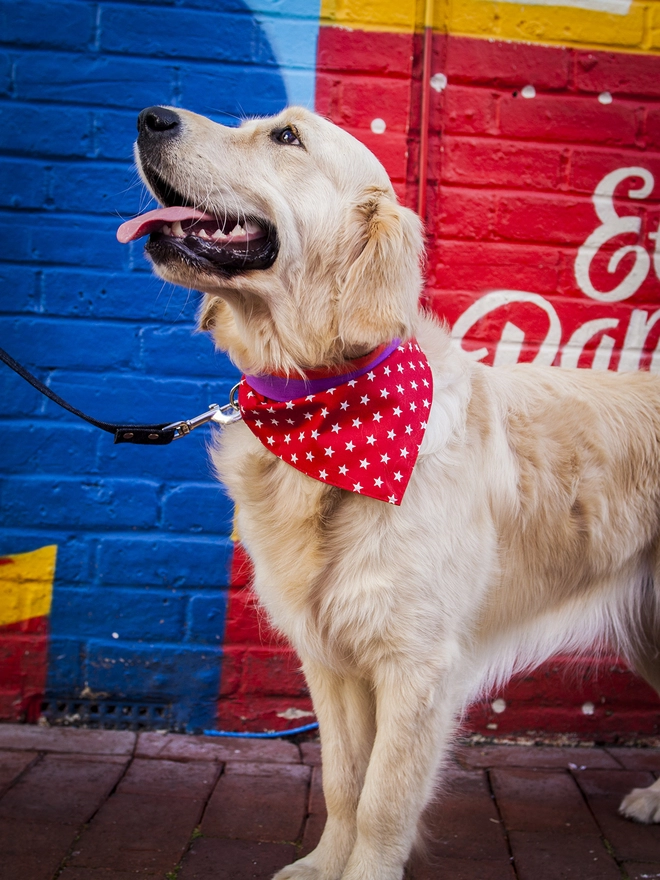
[72, 502]
[73, 551]
[17, 398]
[92, 79]
[70, 240]
[46, 130]
[46, 24]
[5, 75]
[38, 447]
[92, 187]
[172, 562]
[115, 130]
[232, 93]
[152, 671]
[178, 351]
[206, 618]
[65, 666]
[200, 508]
[19, 289]
[22, 183]
[93, 294]
[133, 614]
[185, 33]
[62, 342]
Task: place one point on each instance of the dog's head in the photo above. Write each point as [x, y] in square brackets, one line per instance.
[291, 228]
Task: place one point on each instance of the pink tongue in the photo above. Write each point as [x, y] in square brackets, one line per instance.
[146, 223]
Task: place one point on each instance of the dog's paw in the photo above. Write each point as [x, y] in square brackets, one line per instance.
[301, 870]
[642, 804]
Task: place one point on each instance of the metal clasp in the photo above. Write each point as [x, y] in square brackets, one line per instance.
[221, 415]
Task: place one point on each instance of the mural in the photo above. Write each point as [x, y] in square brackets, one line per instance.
[542, 192]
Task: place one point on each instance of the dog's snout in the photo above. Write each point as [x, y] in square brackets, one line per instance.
[159, 121]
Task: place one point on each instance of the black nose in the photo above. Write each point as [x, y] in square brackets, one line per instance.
[158, 121]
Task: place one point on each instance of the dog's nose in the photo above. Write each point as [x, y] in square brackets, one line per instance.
[158, 121]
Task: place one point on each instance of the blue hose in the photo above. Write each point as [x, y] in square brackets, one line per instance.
[271, 735]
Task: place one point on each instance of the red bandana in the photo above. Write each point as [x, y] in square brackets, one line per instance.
[362, 435]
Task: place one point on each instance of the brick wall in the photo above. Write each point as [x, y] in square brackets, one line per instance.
[142, 536]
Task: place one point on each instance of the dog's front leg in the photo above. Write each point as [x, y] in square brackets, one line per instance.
[415, 715]
[346, 712]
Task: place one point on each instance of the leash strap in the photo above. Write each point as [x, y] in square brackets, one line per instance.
[146, 435]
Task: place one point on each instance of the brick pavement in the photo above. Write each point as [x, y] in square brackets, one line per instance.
[106, 805]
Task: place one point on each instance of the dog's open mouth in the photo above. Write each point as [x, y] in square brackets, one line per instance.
[203, 241]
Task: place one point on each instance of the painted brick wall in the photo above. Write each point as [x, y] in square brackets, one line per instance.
[142, 536]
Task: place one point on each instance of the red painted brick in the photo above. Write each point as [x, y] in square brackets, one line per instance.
[247, 622]
[391, 149]
[552, 855]
[355, 51]
[272, 671]
[259, 802]
[12, 764]
[466, 110]
[589, 165]
[61, 790]
[496, 64]
[489, 162]
[541, 800]
[618, 73]
[463, 823]
[241, 567]
[139, 833]
[176, 747]
[216, 859]
[652, 126]
[354, 100]
[459, 265]
[258, 713]
[461, 213]
[563, 118]
[548, 219]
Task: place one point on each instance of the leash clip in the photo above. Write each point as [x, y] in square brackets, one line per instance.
[221, 415]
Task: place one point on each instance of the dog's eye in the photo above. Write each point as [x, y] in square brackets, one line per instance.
[286, 136]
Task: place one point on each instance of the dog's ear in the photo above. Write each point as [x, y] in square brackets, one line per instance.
[207, 311]
[381, 282]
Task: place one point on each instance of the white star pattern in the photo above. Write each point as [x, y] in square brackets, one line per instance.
[381, 394]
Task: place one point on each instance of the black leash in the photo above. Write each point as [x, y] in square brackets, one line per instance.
[146, 435]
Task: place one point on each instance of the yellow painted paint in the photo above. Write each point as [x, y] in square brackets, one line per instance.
[26, 585]
[638, 30]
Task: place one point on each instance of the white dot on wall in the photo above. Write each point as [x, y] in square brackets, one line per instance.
[438, 82]
[378, 126]
[498, 705]
[528, 92]
[588, 708]
[605, 98]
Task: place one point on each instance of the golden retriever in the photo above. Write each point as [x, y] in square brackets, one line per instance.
[531, 522]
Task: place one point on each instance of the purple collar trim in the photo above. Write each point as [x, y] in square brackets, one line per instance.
[283, 389]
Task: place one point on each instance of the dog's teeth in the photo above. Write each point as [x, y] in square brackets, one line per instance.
[177, 229]
[166, 230]
[237, 230]
[218, 234]
[203, 234]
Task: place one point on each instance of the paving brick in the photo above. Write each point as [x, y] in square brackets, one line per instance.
[33, 850]
[57, 790]
[637, 759]
[641, 870]
[316, 815]
[460, 869]
[175, 747]
[533, 756]
[604, 791]
[311, 753]
[67, 739]
[258, 802]
[558, 856]
[139, 833]
[192, 779]
[214, 859]
[541, 800]
[12, 764]
[463, 823]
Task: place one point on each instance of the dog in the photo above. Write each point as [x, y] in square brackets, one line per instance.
[529, 524]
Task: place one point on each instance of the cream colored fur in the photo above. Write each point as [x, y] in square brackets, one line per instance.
[531, 524]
